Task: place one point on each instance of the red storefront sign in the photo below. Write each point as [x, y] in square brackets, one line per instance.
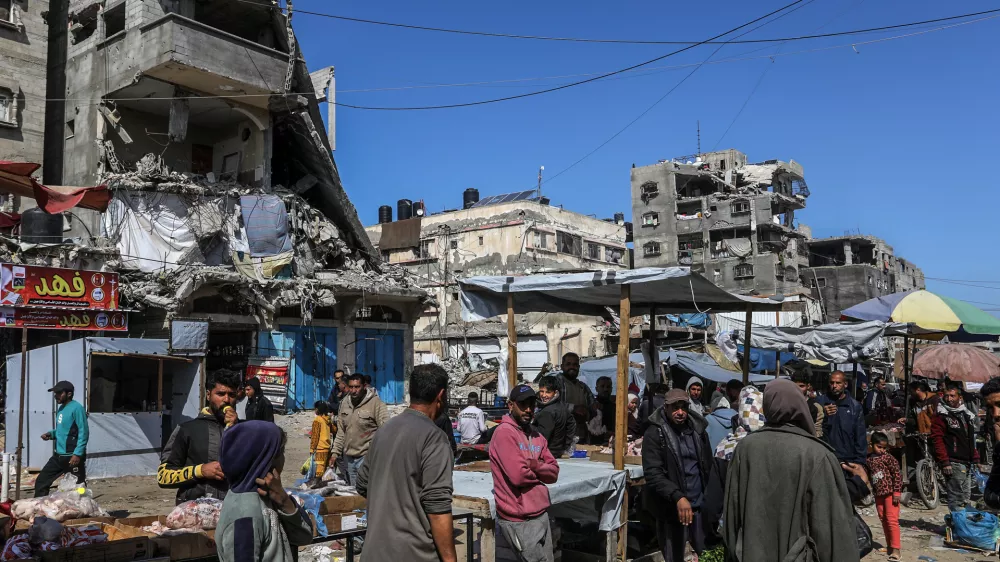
[277, 375]
[52, 319]
[30, 286]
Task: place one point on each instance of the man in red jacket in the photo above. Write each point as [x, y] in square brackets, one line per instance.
[953, 440]
[522, 465]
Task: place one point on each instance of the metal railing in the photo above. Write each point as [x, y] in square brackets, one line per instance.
[360, 532]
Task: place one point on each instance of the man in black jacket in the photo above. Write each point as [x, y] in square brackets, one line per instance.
[258, 406]
[683, 491]
[991, 401]
[553, 419]
[190, 459]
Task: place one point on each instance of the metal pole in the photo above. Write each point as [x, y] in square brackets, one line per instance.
[5, 485]
[20, 413]
[906, 400]
[511, 345]
[746, 345]
[621, 393]
[854, 373]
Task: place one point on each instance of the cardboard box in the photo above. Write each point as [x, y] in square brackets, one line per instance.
[176, 547]
[124, 550]
[342, 504]
[338, 522]
[23, 525]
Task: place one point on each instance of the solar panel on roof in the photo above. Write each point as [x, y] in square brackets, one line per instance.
[506, 198]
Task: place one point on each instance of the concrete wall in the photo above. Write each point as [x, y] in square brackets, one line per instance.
[664, 204]
[23, 73]
[839, 288]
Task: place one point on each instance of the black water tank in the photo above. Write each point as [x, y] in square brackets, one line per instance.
[39, 227]
[418, 209]
[470, 197]
[619, 218]
[404, 209]
[384, 214]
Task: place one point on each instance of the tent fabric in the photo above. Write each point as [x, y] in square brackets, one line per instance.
[692, 320]
[15, 178]
[400, 235]
[594, 369]
[839, 342]
[704, 366]
[669, 290]
[265, 221]
[151, 230]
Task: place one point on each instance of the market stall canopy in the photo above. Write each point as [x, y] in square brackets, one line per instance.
[839, 342]
[15, 178]
[704, 366]
[594, 369]
[930, 311]
[669, 290]
[956, 362]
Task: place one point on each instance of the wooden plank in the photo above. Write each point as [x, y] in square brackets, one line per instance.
[511, 344]
[621, 395]
[488, 541]
[479, 506]
[142, 356]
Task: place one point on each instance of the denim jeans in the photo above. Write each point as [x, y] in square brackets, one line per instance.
[959, 489]
[353, 465]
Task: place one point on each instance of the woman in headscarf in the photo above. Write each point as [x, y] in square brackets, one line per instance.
[258, 406]
[749, 417]
[259, 521]
[634, 426]
[783, 470]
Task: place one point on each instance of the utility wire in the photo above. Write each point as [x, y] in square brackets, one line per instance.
[626, 41]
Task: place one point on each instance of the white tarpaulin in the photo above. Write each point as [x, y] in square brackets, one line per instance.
[839, 342]
[670, 290]
[580, 482]
[151, 230]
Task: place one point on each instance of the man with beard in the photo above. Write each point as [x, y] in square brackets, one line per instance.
[522, 465]
[361, 414]
[953, 443]
[553, 421]
[844, 425]
[816, 411]
[577, 395]
[683, 491]
[877, 403]
[190, 459]
[606, 404]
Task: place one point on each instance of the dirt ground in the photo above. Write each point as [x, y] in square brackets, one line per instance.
[922, 533]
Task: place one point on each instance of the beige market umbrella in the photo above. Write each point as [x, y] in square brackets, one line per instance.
[956, 362]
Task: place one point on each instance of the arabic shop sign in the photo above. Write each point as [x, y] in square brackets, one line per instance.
[53, 319]
[36, 286]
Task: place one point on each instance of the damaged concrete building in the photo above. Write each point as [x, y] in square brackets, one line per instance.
[512, 234]
[847, 270]
[731, 221]
[23, 47]
[204, 123]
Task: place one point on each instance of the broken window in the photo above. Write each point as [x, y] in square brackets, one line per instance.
[613, 255]
[649, 189]
[743, 270]
[722, 165]
[740, 207]
[651, 219]
[7, 110]
[425, 249]
[7, 10]
[480, 240]
[70, 129]
[454, 244]
[817, 282]
[540, 240]
[114, 20]
[593, 251]
[651, 248]
[567, 243]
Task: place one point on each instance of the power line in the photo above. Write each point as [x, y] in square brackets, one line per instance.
[626, 41]
[577, 83]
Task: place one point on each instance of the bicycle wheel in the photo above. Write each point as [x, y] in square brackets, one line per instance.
[927, 485]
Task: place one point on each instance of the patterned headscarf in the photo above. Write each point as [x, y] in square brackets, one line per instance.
[749, 418]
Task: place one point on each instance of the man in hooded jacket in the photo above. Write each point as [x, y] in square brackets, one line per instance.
[553, 420]
[683, 491]
[258, 406]
[792, 506]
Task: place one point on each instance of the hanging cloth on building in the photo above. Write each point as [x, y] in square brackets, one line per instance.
[265, 221]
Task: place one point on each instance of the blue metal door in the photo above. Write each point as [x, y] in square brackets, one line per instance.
[379, 353]
[314, 359]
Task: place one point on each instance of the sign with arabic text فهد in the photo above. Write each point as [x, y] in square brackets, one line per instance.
[31, 286]
[53, 319]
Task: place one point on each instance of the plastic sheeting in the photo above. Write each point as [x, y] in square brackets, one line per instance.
[705, 367]
[124, 444]
[699, 320]
[265, 220]
[839, 342]
[151, 230]
[580, 482]
[594, 369]
[670, 290]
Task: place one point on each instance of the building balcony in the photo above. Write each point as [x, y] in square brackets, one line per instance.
[195, 56]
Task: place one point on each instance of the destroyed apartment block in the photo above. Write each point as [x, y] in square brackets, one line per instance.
[203, 124]
[516, 233]
[731, 221]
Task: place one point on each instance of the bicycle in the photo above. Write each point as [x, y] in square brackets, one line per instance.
[929, 477]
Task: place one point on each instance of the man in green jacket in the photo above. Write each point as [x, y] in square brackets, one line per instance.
[71, 435]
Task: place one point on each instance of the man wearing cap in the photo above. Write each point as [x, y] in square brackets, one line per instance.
[71, 435]
[683, 489]
[522, 465]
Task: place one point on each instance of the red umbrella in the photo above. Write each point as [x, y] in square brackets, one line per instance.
[956, 362]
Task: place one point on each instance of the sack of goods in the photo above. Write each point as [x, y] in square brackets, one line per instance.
[61, 506]
[46, 535]
[201, 514]
[978, 529]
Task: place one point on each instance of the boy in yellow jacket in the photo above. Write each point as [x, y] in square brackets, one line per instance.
[323, 431]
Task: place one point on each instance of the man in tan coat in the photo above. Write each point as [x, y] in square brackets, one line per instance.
[361, 414]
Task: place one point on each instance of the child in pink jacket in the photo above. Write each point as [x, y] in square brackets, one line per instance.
[522, 465]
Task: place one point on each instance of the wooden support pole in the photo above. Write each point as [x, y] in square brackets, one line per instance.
[623, 530]
[20, 414]
[621, 392]
[906, 400]
[746, 345]
[511, 344]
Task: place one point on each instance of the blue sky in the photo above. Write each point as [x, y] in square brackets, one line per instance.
[897, 139]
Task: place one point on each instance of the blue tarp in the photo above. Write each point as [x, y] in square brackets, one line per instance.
[594, 369]
[265, 220]
[765, 359]
[700, 320]
[704, 366]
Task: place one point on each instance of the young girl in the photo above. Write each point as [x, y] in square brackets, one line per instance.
[259, 522]
[322, 439]
[887, 485]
